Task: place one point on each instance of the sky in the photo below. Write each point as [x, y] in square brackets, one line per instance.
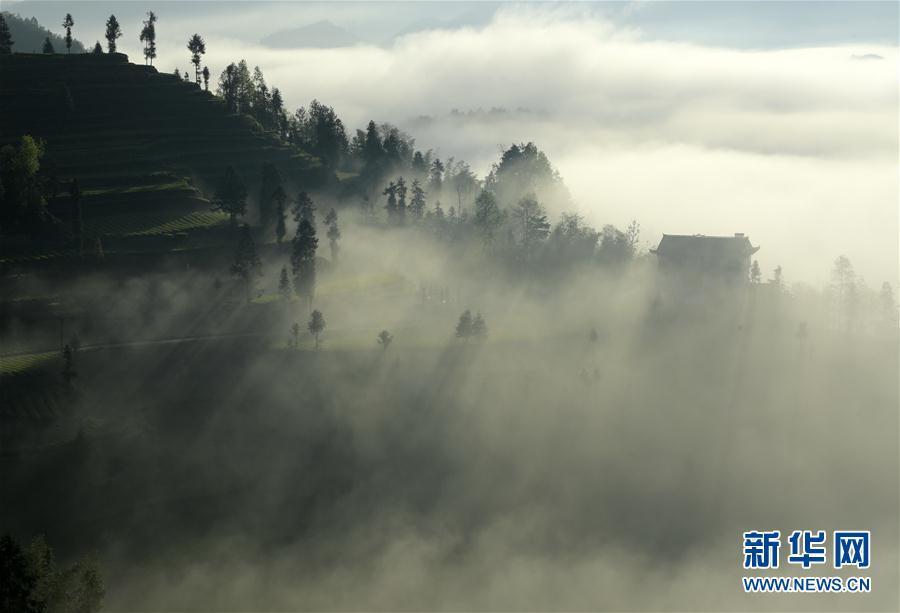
[774, 119]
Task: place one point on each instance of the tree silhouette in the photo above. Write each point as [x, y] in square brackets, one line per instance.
[6, 41]
[316, 325]
[67, 23]
[417, 204]
[755, 274]
[334, 233]
[98, 50]
[488, 217]
[280, 229]
[464, 325]
[777, 278]
[284, 284]
[479, 328]
[385, 339]
[113, 31]
[148, 37]
[231, 195]
[48, 46]
[391, 192]
[197, 47]
[304, 209]
[437, 177]
[401, 200]
[295, 334]
[532, 222]
[205, 74]
[247, 265]
[303, 260]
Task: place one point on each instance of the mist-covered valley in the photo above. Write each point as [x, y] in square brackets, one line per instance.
[383, 356]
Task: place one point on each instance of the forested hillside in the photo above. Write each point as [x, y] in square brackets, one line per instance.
[144, 147]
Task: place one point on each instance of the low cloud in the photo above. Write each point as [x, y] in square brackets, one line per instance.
[794, 146]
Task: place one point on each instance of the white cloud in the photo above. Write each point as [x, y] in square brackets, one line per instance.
[797, 146]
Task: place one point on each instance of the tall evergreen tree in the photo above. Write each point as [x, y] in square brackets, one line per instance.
[113, 32]
[148, 37]
[205, 75]
[197, 47]
[401, 199]
[532, 222]
[316, 325]
[231, 195]
[280, 222]
[755, 273]
[488, 217]
[417, 203]
[6, 41]
[391, 192]
[247, 265]
[464, 325]
[304, 209]
[334, 234]
[284, 284]
[67, 23]
[48, 46]
[98, 50]
[437, 177]
[303, 260]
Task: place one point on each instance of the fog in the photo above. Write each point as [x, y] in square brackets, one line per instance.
[607, 442]
[547, 468]
[767, 142]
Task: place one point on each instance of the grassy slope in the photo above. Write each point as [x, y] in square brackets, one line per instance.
[145, 147]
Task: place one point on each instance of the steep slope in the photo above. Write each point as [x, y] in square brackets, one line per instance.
[147, 148]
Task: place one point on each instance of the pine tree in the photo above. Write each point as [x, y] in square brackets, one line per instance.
[205, 74]
[231, 196]
[284, 284]
[437, 177]
[755, 274]
[48, 46]
[417, 204]
[401, 199]
[334, 234]
[247, 265]
[316, 325]
[148, 37]
[6, 41]
[303, 260]
[197, 47]
[304, 209]
[67, 23]
[98, 50]
[280, 227]
[113, 32]
[488, 217]
[464, 326]
[391, 192]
